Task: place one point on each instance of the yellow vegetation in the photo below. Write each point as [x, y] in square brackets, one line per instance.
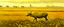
[52, 13]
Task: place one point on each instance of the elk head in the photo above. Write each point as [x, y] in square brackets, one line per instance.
[29, 14]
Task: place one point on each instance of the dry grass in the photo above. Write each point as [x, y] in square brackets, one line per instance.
[8, 17]
[28, 23]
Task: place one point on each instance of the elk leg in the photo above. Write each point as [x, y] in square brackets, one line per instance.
[46, 18]
[35, 19]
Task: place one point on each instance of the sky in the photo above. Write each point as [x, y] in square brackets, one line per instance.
[27, 3]
[32, 0]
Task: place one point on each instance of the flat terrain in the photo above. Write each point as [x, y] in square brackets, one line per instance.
[20, 13]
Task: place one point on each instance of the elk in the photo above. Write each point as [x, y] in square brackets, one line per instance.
[38, 15]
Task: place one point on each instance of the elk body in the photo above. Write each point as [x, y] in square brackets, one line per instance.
[38, 15]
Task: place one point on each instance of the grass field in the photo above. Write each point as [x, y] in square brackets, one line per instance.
[20, 13]
[16, 17]
[27, 23]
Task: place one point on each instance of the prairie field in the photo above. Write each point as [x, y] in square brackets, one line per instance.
[20, 13]
[17, 17]
[27, 23]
